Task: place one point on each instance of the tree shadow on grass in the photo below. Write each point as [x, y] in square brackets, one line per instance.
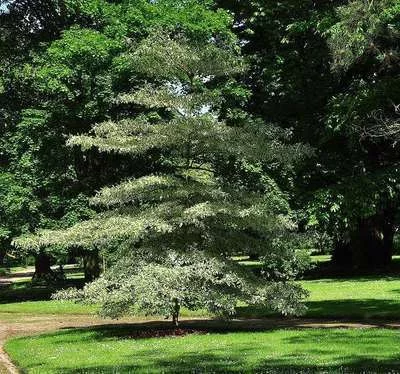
[354, 309]
[199, 364]
[338, 309]
[328, 269]
[239, 359]
[25, 291]
[356, 278]
[15, 293]
[105, 332]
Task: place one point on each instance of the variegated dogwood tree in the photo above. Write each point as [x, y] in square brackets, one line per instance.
[176, 230]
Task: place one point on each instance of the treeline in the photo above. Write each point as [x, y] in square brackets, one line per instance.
[319, 80]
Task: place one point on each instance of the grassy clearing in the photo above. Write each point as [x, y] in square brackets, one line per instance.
[317, 259]
[349, 298]
[346, 298]
[14, 311]
[105, 351]
[4, 271]
[29, 270]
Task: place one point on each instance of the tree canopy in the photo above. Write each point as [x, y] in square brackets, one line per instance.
[170, 136]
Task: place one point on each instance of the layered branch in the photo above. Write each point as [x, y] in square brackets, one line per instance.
[197, 138]
[173, 98]
[162, 57]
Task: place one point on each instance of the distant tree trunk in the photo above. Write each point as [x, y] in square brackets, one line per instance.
[42, 266]
[342, 255]
[91, 264]
[370, 247]
[254, 256]
[3, 253]
[4, 246]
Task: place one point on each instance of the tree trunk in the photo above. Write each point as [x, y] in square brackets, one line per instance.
[42, 266]
[3, 253]
[175, 314]
[4, 247]
[342, 254]
[91, 264]
[254, 256]
[370, 247]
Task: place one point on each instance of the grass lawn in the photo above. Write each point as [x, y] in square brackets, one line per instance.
[347, 298]
[308, 350]
[29, 270]
[363, 297]
[45, 307]
[316, 259]
[113, 350]
[14, 311]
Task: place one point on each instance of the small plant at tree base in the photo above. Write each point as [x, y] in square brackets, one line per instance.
[178, 230]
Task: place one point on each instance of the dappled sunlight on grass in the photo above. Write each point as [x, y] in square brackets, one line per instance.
[46, 307]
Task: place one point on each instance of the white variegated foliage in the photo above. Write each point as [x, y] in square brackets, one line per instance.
[183, 227]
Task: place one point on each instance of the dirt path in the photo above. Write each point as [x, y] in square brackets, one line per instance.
[31, 325]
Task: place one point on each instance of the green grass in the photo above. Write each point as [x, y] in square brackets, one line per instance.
[362, 297]
[72, 271]
[110, 350]
[14, 311]
[308, 350]
[15, 269]
[46, 307]
[256, 265]
[351, 298]
[347, 298]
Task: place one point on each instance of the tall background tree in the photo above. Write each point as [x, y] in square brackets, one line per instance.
[359, 202]
[327, 70]
[62, 68]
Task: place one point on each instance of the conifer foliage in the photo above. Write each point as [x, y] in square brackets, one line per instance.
[177, 230]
